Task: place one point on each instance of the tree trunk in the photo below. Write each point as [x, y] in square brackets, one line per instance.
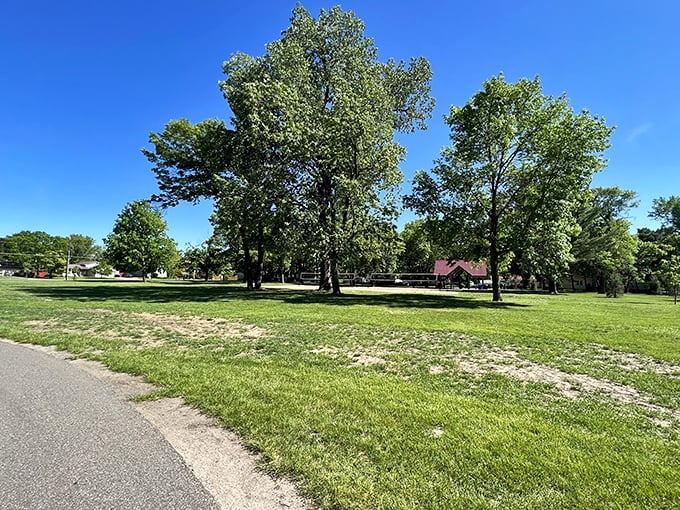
[335, 279]
[247, 260]
[493, 251]
[495, 273]
[552, 285]
[324, 275]
[259, 268]
[601, 283]
[247, 267]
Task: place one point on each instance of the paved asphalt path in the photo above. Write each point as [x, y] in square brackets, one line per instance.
[68, 442]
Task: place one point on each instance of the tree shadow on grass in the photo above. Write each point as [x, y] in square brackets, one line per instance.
[186, 292]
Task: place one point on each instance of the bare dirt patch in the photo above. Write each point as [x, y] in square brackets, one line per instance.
[508, 363]
[358, 358]
[638, 363]
[365, 360]
[447, 352]
[147, 329]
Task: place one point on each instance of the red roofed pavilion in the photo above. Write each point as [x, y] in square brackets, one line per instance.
[447, 269]
[461, 272]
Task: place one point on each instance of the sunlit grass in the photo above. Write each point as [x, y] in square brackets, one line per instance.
[369, 399]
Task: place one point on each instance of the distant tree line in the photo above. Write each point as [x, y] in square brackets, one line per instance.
[40, 252]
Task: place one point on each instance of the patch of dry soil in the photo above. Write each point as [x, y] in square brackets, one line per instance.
[508, 363]
[148, 329]
[217, 456]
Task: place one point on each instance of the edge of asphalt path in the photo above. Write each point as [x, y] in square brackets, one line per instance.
[218, 458]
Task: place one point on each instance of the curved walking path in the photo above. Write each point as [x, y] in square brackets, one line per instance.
[66, 441]
[70, 439]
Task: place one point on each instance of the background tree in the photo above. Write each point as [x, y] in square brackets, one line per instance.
[36, 251]
[648, 262]
[208, 259]
[669, 272]
[518, 163]
[139, 241]
[81, 247]
[604, 248]
[667, 211]
[652, 236]
[661, 244]
[375, 252]
[420, 252]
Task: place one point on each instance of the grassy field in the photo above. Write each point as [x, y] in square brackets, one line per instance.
[401, 400]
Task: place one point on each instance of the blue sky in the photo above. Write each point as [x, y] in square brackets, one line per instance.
[83, 82]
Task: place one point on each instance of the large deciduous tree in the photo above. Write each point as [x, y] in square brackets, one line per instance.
[312, 140]
[240, 169]
[139, 241]
[508, 184]
[337, 109]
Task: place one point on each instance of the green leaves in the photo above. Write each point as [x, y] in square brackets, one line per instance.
[667, 211]
[139, 241]
[189, 158]
[312, 139]
[337, 108]
[508, 183]
[670, 274]
[604, 248]
[40, 251]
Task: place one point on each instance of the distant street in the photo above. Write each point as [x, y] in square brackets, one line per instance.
[68, 442]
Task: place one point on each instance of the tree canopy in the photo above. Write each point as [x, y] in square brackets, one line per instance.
[667, 211]
[39, 251]
[139, 241]
[604, 247]
[312, 141]
[509, 183]
[338, 108]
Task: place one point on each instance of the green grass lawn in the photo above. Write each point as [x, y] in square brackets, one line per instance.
[401, 400]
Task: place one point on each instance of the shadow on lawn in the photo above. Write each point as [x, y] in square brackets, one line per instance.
[185, 292]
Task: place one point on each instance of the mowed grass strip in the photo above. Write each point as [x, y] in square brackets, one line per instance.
[363, 398]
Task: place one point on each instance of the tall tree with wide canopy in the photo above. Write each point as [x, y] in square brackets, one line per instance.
[337, 109]
[313, 139]
[509, 181]
[139, 241]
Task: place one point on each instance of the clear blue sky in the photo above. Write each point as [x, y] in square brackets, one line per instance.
[83, 82]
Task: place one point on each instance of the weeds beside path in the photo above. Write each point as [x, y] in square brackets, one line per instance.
[401, 400]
